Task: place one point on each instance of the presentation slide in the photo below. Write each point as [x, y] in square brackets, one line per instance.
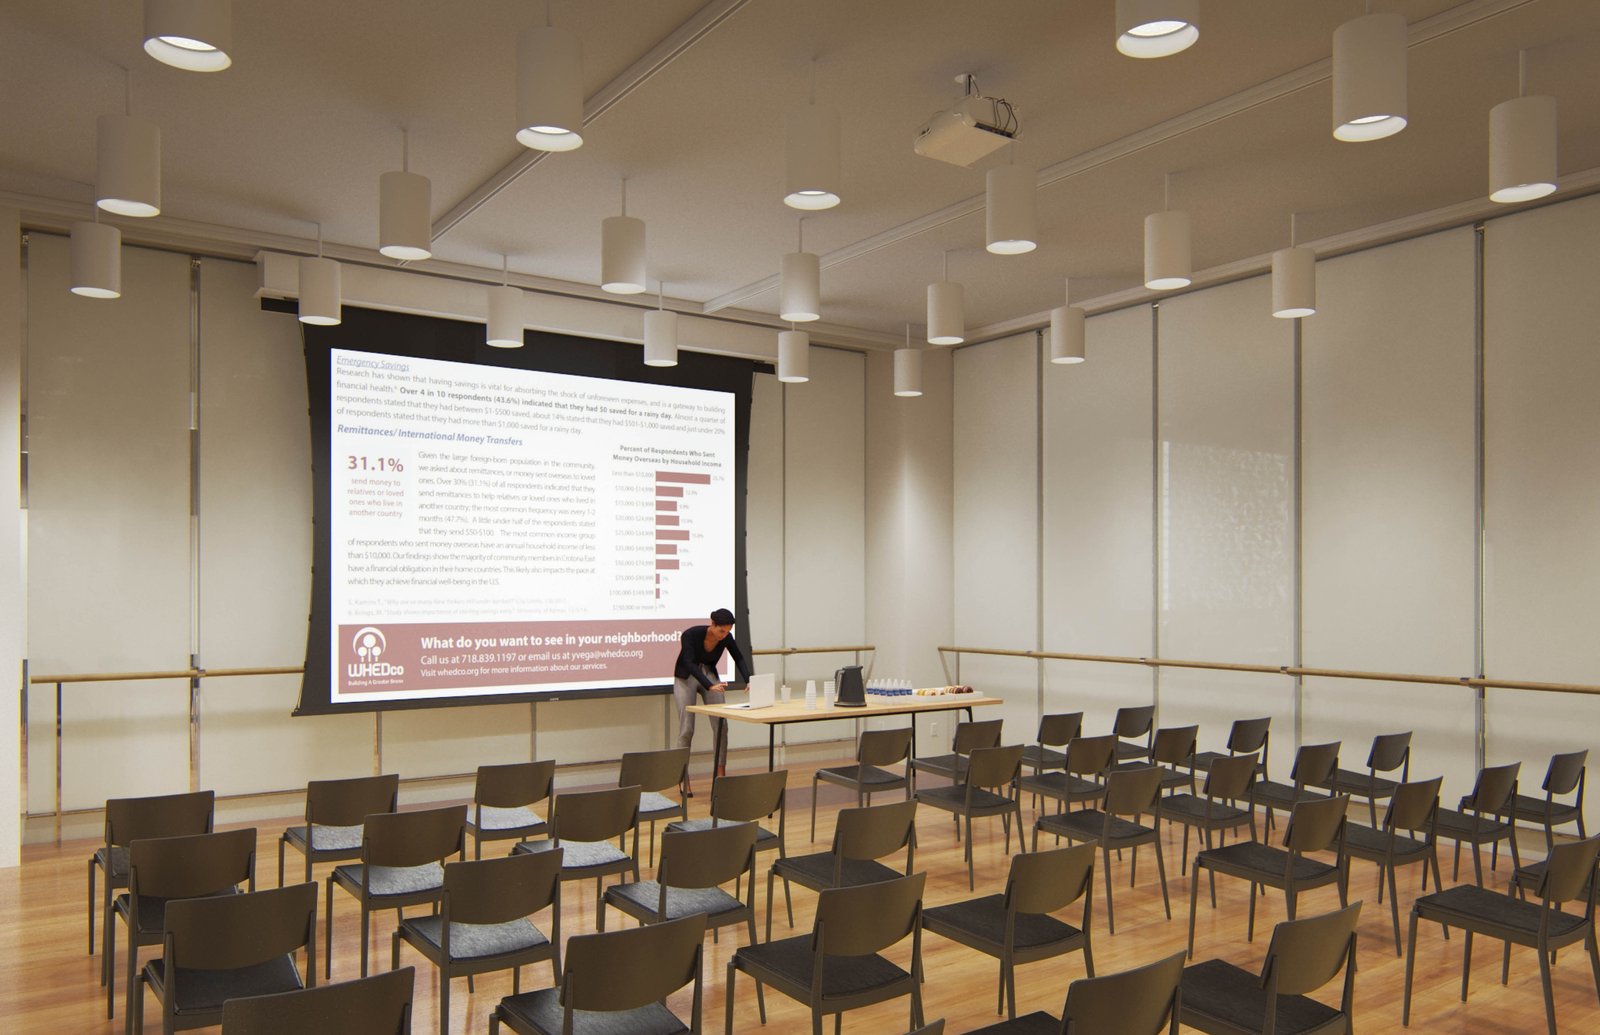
[497, 530]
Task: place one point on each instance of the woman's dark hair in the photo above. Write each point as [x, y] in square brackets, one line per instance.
[722, 616]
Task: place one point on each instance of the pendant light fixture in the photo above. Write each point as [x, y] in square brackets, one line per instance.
[549, 88]
[1522, 144]
[405, 206]
[622, 265]
[504, 329]
[1067, 331]
[1009, 210]
[1369, 77]
[1166, 245]
[1157, 28]
[1294, 278]
[794, 356]
[96, 260]
[127, 177]
[660, 333]
[811, 155]
[947, 318]
[195, 35]
[321, 288]
[908, 369]
[800, 285]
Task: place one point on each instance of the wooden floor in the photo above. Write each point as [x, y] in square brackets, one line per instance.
[48, 983]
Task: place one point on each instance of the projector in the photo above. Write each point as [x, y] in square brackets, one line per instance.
[974, 129]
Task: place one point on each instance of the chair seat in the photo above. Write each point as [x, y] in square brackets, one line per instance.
[645, 895]
[1036, 1023]
[1458, 827]
[1037, 756]
[1170, 777]
[476, 941]
[1203, 760]
[1363, 842]
[764, 838]
[1194, 809]
[653, 804]
[1363, 784]
[1252, 859]
[541, 1011]
[1283, 795]
[152, 912]
[791, 959]
[1062, 785]
[579, 855]
[326, 839]
[1127, 750]
[499, 819]
[951, 765]
[816, 871]
[984, 919]
[204, 991]
[869, 776]
[385, 881]
[1481, 910]
[114, 861]
[1090, 825]
[1532, 809]
[954, 798]
[1219, 992]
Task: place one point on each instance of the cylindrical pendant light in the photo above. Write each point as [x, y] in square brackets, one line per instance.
[1294, 283]
[794, 357]
[1067, 332]
[812, 158]
[128, 165]
[661, 333]
[1522, 149]
[321, 291]
[1009, 210]
[800, 288]
[947, 316]
[504, 330]
[405, 201]
[1157, 28]
[195, 35]
[549, 89]
[1166, 251]
[622, 265]
[908, 369]
[96, 260]
[1369, 77]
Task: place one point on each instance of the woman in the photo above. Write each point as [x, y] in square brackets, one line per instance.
[696, 673]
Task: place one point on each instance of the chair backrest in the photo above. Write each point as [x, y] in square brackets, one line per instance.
[1043, 882]
[162, 815]
[346, 803]
[706, 858]
[627, 969]
[1414, 805]
[595, 815]
[192, 865]
[1315, 764]
[994, 766]
[1132, 792]
[1091, 756]
[495, 891]
[1134, 722]
[414, 838]
[226, 932]
[1566, 773]
[749, 796]
[875, 831]
[1141, 1001]
[1390, 751]
[1060, 729]
[1175, 745]
[376, 1005]
[884, 747]
[1568, 870]
[1316, 825]
[514, 786]
[1229, 778]
[867, 918]
[653, 770]
[1306, 954]
[1249, 735]
[1494, 788]
[970, 735]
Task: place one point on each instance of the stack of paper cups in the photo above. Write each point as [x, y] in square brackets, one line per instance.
[811, 695]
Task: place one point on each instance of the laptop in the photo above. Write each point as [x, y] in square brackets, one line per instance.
[763, 693]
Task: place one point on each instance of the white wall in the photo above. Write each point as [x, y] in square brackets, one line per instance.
[13, 599]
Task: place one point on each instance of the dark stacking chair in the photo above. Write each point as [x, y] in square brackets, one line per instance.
[749, 798]
[1227, 781]
[483, 922]
[503, 799]
[335, 811]
[165, 868]
[1569, 876]
[953, 766]
[1173, 755]
[625, 975]
[129, 819]
[1089, 759]
[1315, 825]
[1304, 955]
[1017, 927]
[583, 824]
[876, 748]
[402, 864]
[1314, 766]
[838, 966]
[377, 1005]
[1484, 819]
[694, 866]
[1129, 792]
[1565, 775]
[1055, 731]
[860, 838]
[931, 1028]
[1390, 752]
[1142, 1001]
[225, 947]
[653, 772]
[989, 788]
[1413, 808]
[1245, 737]
[1130, 724]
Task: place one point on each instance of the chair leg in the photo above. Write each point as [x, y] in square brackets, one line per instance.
[132, 975]
[1455, 871]
[108, 964]
[1549, 993]
[1161, 869]
[1477, 864]
[1466, 965]
[1594, 960]
[727, 1012]
[91, 903]
[1250, 928]
[1183, 864]
[971, 884]
[1290, 899]
[327, 940]
[770, 875]
[1411, 960]
[394, 951]
[1505, 965]
[444, 1000]
[1111, 915]
[280, 861]
[813, 809]
[1394, 905]
[366, 935]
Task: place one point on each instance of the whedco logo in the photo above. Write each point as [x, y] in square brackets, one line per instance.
[369, 644]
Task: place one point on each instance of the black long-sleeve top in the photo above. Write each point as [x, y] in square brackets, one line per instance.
[694, 654]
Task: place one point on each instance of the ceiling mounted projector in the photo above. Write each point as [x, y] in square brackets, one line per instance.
[975, 128]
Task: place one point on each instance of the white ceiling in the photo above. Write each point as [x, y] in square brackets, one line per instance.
[695, 93]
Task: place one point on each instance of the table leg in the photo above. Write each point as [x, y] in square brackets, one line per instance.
[772, 740]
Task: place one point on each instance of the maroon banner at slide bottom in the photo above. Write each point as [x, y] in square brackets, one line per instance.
[400, 657]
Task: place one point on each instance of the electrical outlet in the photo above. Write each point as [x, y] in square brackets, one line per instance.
[933, 727]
